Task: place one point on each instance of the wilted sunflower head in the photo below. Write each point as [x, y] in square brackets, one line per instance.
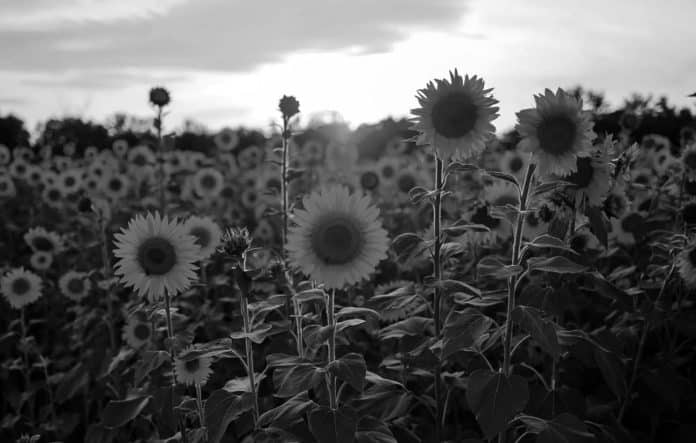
[159, 96]
[288, 106]
[556, 132]
[235, 241]
[455, 115]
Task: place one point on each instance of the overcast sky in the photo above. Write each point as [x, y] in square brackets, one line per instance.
[227, 62]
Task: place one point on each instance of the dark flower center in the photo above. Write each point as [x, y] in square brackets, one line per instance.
[454, 115]
[690, 187]
[76, 285]
[202, 236]
[388, 171]
[142, 331]
[192, 365]
[42, 244]
[273, 183]
[515, 164]
[578, 243]
[69, 181]
[556, 135]
[337, 240]
[140, 160]
[369, 180]
[615, 204]
[406, 182]
[115, 184]
[482, 217]
[53, 194]
[208, 182]
[157, 256]
[690, 160]
[21, 286]
[583, 176]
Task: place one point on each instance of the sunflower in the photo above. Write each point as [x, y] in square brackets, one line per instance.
[689, 161]
[90, 153]
[137, 331]
[20, 287]
[7, 186]
[455, 115]
[592, 177]
[5, 155]
[120, 147]
[41, 240]
[250, 157]
[556, 132]
[19, 168]
[115, 186]
[62, 163]
[156, 255]
[53, 196]
[514, 163]
[208, 182]
[34, 175]
[369, 179]
[250, 197]
[206, 232]
[70, 181]
[141, 156]
[686, 265]
[534, 226]
[192, 369]
[338, 238]
[628, 228]
[396, 146]
[75, 285]
[312, 150]
[497, 196]
[226, 140]
[264, 232]
[388, 169]
[41, 261]
[407, 179]
[583, 241]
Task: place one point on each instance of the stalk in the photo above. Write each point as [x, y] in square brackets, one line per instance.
[199, 404]
[160, 160]
[512, 280]
[25, 356]
[107, 274]
[248, 345]
[284, 182]
[331, 344]
[437, 276]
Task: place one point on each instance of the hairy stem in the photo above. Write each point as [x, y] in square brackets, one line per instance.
[512, 280]
[248, 345]
[437, 276]
[331, 344]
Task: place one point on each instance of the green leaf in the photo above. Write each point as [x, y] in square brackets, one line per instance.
[350, 368]
[549, 241]
[451, 286]
[598, 224]
[404, 245]
[349, 323]
[495, 399]
[354, 310]
[492, 266]
[329, 426]
[557, 264]
[151, 360]
[288, 413]
[119, 412]
[464, 330]
[505, 177]
[221, 408]
[565, 428]
[544, 188]
[292, 380]
[309, 295]
[457, 167]
[541, 330]
[72, 382]
[410, 326]
[612, 371]
[372, 430]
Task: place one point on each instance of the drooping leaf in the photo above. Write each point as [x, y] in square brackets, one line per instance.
[410, 326]
[350, 368]
[464, 330]
[598, 223]
[221, 408]
[495, 399]
[355, 310]
[505, 177]
[541, 329]
[151, 360]
[72, 382]
[496, 267]
[557, 264]
[372, 430]
[612, 371]
[287, 413]
[565, 428]
[333, 426]
[119, 412]
[291, 380]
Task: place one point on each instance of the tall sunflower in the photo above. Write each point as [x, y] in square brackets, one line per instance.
[20, 287]
[455, 116]
[556, 132]
[338, 239]
[156, 255]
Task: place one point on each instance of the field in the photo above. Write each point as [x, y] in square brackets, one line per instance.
[408, 281]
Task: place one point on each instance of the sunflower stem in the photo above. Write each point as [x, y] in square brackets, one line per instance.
[107, 274]
[284, 182]
[331, 344]
[248, 345]
[199, 404]
[512, 280]
[641, 345]
[25, 355]
[160, 161]
[437, 276]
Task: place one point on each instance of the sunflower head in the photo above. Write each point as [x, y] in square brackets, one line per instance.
[337, 239]
[455, 115]
[75, 285]
[20, 287]
[289, 106]
[159, 96]
[192, 368]
[235, 242]
[138, 330]
[556, 132]
[207, 234]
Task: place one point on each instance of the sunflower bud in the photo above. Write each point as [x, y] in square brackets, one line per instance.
[234, 242]
[159, 96]
[289, 106]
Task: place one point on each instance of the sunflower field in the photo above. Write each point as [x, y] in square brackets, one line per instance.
[422, 280]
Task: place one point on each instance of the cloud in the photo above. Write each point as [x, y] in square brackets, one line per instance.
[98, 79]
[221, 35]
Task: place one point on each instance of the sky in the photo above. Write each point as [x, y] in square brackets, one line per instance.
[227, 62]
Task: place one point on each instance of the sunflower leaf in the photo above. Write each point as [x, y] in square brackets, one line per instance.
[119, 412]
[356, 310]
[333, 426]
[541, 330]
[288, 413]
[557, 264]
[221, 408]
[505, 177]
[459, 167]
[350, 368]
